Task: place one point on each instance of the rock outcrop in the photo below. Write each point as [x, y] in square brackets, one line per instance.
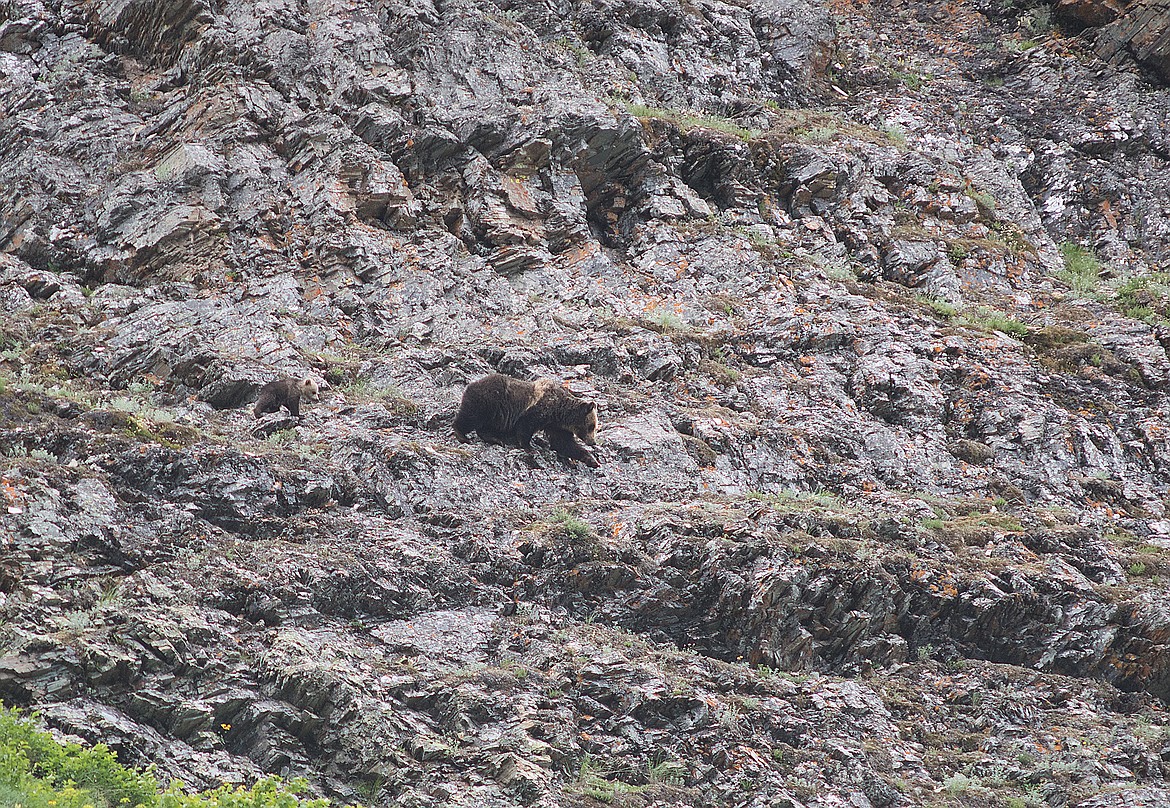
[873, 300]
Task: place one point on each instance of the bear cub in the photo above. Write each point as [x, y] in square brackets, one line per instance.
[285, 393]
[501, 409]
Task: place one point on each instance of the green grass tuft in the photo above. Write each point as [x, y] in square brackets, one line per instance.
[687, 120]
[1082, 270]
[939, 307]
[986, 317]
[1145, 297]
[574, 528]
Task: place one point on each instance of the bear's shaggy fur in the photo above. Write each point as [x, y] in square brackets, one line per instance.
[285, 393]
[501, 409]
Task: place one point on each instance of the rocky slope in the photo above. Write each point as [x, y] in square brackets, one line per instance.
[873, 296]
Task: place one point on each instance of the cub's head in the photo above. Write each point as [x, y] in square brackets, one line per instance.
[309, 389]
[586, 427]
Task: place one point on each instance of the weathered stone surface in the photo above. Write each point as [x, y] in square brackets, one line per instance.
[1142, 31]
[881, 511]
[1091, 12]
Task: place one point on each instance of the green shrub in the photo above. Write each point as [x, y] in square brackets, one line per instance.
[267, 793]
[574, 528]
[32, 761]
[37, 771]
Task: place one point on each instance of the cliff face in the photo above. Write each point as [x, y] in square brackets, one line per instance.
[873, 297]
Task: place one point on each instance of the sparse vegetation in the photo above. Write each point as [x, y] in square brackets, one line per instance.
[364, 391]
[667, 772]
[838, 269]
[1145, 297]
[983, 200]
[957, 783]
[16, 452]
[580, 53]
[719, 372]
[573, 527]
[1019, 45]
[1082, 270]
[664, 321]
[37, 771]
[817, 134]
[986, 317]
[939, 307]
[896, 133]
[791, 498]
[593, 781]
[282, 437]
[1038, 19]
[687, 120]
[912, 79]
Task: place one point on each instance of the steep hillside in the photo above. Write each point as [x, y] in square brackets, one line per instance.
[875, 301]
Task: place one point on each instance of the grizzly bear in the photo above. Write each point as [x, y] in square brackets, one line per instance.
[501, 409]
[285, 393]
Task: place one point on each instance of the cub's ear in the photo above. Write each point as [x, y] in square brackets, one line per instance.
[593, 406]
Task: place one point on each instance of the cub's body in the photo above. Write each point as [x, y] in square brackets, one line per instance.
[285, 393]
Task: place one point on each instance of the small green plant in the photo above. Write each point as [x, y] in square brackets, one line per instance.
[687, 120]
[593, 782]
[896, 133]
[986, 317]
[939, 307]
[668, 772]
[1144, 297]
[838, 269]
[1137, 569]
[580, 53]
[665, 321]
[957, 251]
[817, 134]
[573, 527]
[1037, 20]
[17, 452]
[729, 716]
[282, 437]
[1082, 270]
[37, 771]
[1019, 45]
[983, 200]
[911, 79]
[957, 783]
[819, 498]
[719, 372]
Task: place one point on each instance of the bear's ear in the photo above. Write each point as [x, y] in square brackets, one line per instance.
[593, 406]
